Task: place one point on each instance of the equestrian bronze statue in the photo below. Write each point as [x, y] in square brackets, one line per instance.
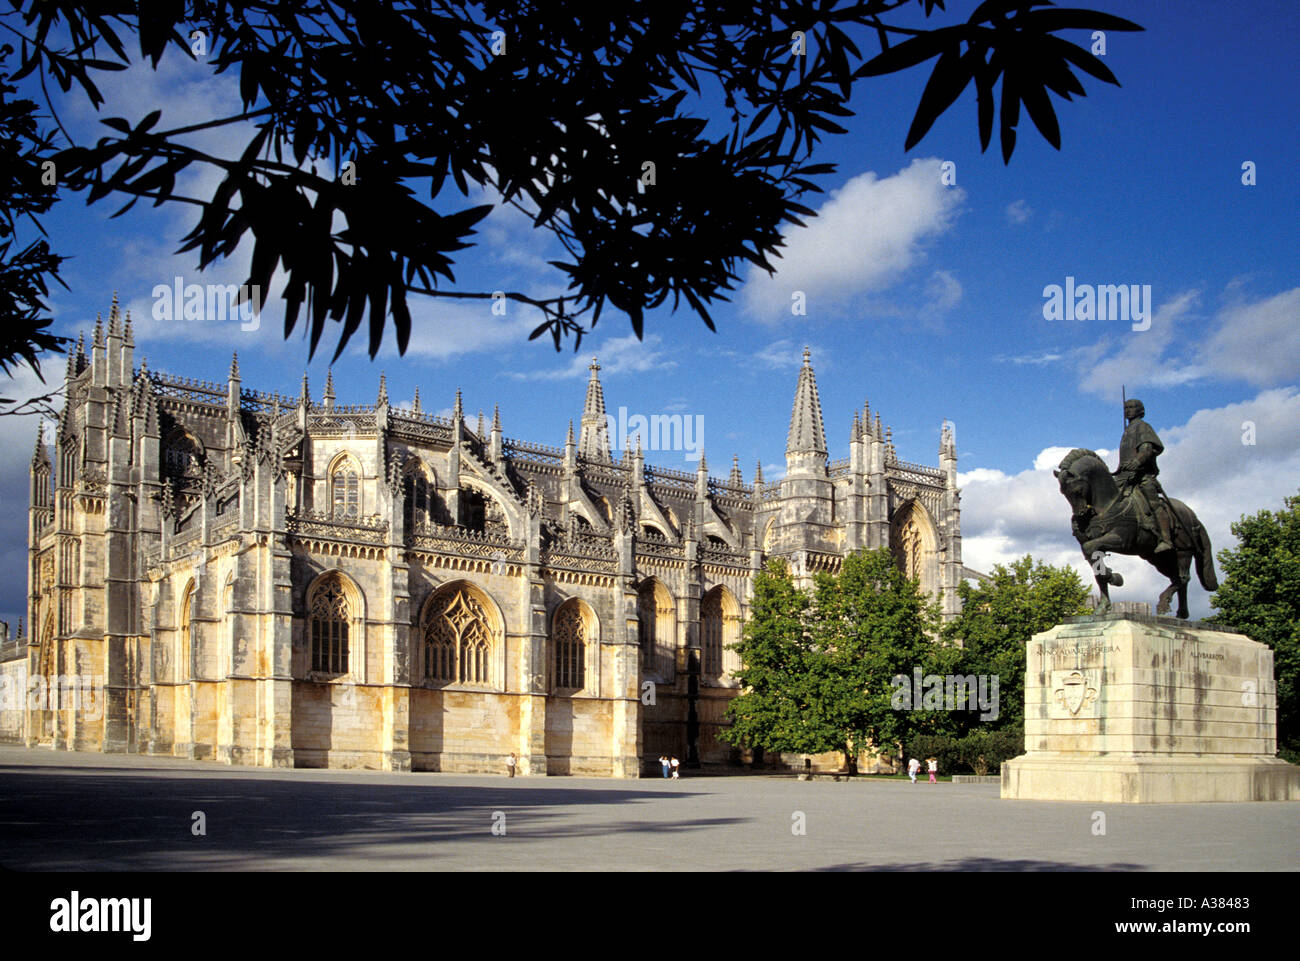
[1128, 513]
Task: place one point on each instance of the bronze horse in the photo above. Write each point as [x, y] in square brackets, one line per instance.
[1106, 521]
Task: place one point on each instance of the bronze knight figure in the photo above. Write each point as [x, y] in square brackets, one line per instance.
[1128, 513]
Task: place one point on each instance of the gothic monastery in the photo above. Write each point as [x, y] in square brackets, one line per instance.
[223, 574]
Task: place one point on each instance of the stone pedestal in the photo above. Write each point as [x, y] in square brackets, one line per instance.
[1120, 707]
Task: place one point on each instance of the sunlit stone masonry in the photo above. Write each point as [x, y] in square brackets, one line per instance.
[288, 581]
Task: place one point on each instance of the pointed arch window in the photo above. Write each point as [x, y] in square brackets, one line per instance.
[458, 639]
[570, 646]
[329, 615]
[418, 499]
[188, 630]
[719, 630]
[345, 485]
[655, 629]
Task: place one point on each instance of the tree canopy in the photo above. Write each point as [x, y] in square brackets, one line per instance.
[817, 667]
[358, 118]
[999, 617]
[1260, 595]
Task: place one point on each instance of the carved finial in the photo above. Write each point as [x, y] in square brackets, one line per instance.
[855, 433]
[417, 400]
[736, 479]
[97, 339]
[758, 474]
[458, 410]
[569, 440]
[128, 338]
[329, 383]
[234, 365]
[304, 395]
[383, 391]
[496, 417]
[113, 317]
[807, 356]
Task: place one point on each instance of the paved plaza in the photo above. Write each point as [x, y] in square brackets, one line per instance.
[94, 812]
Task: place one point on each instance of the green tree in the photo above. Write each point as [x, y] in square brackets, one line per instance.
[817, 667]
[1260, 595]
[1000, 616]
[874, 624]
[784, 678]
[557, 108]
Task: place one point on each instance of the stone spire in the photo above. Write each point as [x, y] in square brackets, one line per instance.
[593, 440]
[41, 456]
[890, 454]
[806, 443]
[417, 400]
[113, 317]
[880, 433]
[735, 479]
[304, 396]
[496, 417]
[855, 433]
[758, 474]
[458, 409]
[329, 389]
[382, 400]
[234, 365]
[482, 424]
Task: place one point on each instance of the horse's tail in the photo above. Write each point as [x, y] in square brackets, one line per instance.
[1204, 557]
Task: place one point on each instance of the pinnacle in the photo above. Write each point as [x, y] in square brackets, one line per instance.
[807, 433]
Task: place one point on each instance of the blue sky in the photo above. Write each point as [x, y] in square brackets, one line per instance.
[927, 299]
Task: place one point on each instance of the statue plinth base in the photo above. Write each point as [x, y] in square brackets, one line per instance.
[1125, 708]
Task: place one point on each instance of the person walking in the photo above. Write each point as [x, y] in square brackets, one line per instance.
[933, 764]
[913, 768]
[676, 764]
[511, 762]
[663, 760]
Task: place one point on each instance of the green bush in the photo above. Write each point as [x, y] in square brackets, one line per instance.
[937, 746]
[981, 751]
[984, 751]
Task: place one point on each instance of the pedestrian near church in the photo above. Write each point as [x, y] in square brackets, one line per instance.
[933, 764]
[511, 762]
[663, 760]
[913, 768]
[675, 764]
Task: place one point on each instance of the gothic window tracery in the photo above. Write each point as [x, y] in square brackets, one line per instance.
[329, 618]
[719, 629]
[418, 499]
[345, 484]
[458, 639]
[570, 643]
[655, 629]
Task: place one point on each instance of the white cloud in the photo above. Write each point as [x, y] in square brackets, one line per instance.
[1255, 342]
[863, 239]
[1258, 343]
[943, 292]
[1205, 465]
[618, 355]
[1139, 358]
[788, 355]
[1018, 212]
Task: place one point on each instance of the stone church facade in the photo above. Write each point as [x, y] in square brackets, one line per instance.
[260, 579]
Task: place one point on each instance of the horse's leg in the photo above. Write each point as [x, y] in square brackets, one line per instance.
[1184, 578]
